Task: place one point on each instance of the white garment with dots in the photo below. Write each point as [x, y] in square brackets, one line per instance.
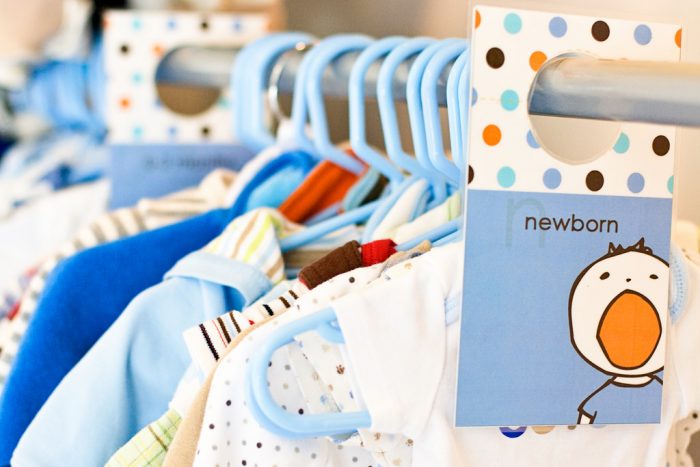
[231, 434]
[405, 370]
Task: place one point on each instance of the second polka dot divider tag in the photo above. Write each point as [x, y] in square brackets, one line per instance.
[154, 150]
[566, 266]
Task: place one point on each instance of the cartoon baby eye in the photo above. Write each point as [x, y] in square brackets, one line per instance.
[604, 276]
[654, 276]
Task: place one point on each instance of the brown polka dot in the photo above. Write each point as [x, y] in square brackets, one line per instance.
[594, 180]
[661, 145]
[204, 25]
[470, 177]
[600, 31]
[537, 59]
[205, 131]
[495, 57]
[124, 49]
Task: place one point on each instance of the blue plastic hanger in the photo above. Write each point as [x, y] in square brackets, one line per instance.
[249, 81]
[387, 109]
[415, 104]
[392, 135]
[465, 97]
[431, 110]
[356, 98]
[300, 108]
[454, 112]
[414, 93]
[329, 50]
[450, 231]
[315, 63]
[268, 413]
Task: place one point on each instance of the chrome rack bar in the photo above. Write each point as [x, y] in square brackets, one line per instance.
[620, 90]
[211, 67]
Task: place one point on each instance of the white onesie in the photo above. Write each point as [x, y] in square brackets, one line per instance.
[405, 370]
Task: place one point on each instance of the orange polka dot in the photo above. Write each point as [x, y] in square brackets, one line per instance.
[537, 59]
[477, 19]
[492, 135]
[124, 103]
[158, 49]
[679, 35]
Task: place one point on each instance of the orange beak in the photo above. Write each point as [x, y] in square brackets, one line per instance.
[629, 330]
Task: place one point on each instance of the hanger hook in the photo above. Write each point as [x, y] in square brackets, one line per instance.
[328, 51]
[356, 98]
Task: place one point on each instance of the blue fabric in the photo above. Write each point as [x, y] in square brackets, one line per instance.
[126, 380]
[275, 181]
[82, 298]
[88, 292]
[613, 402]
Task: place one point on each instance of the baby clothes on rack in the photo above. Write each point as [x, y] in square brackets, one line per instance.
[150, 445]
[232, 271]
[209, 341]
[95, 285]
[227, 422]
[378, 358]
[34, 231]
[34, 168]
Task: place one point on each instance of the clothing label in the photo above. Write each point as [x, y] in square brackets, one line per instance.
[566, 266]
[152, 171]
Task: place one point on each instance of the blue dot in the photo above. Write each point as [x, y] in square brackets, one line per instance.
[475, 96]
[138, 132]
[172, 24]
[642, 34]
[172, 131]
[136, 78]
[510, 100]
[531, 141]
[513, 433]
[552, 178]
[223, 102]
[512, 23]
[635, 182]
[237, 25]
[557, 26]
[669, 185]
[136, 23]
[623, 144]
[506, 177]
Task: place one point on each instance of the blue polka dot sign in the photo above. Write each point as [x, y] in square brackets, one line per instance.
[566, 270]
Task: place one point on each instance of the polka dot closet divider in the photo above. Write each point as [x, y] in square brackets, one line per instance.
[508, 50]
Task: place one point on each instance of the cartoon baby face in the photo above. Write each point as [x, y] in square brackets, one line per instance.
[616, 314]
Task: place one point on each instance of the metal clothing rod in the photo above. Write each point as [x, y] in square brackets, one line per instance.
[211, 67]
[583, 87]
[620, 90]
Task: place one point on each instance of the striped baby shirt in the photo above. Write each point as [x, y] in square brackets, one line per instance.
[207, 342]
[146, 215]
